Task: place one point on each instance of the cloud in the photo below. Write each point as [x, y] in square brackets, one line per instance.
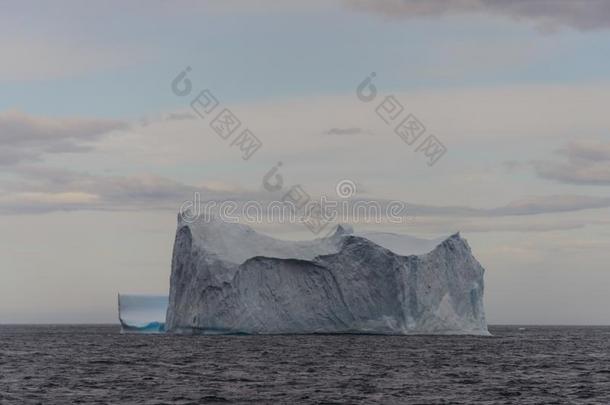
[588, 174]
[182, 153]
[527, 206]
[529, 226]
[551, 204]
[348, 131]
[461, 118]
[444, 225]
[152, 119]
[41, 58]
[176, 116]
[27, 138]
[546, 15]
[38, 189]
[44, 189]
[587, 150]
[585, 163]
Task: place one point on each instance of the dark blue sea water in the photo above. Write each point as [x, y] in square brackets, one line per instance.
[97, 365]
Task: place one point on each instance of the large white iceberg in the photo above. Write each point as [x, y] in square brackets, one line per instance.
[227, 278]
[139, 313]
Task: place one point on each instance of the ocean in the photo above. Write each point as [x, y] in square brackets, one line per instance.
[93, 364]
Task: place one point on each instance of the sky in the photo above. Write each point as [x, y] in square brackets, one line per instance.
[99, 148]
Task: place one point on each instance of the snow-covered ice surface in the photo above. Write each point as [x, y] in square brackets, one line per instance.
[404, 245]
[227, 278]
[139, 313]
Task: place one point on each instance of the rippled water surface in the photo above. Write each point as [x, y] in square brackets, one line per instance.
[96, 364]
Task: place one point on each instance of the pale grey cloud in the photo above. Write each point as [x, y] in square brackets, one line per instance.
[529, 224]
[157, 118]
[585, 163]
[551, 204]
[587, 150]
[41, 58]
[25, 137]
[527, 206]
[43, 189]
[348, 131]
[544, 14]
[10, 155]
[587, 174]
[179, 116]
[521, 227]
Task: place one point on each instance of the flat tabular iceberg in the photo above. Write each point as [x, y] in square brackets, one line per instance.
[227, 278]
[140, 313]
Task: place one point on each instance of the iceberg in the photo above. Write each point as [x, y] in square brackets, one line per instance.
[228, 279]
[139, 313]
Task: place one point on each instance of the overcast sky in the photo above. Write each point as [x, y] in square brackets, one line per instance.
[97, 153]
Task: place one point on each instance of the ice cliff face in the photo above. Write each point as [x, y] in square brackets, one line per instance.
[226, 278]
